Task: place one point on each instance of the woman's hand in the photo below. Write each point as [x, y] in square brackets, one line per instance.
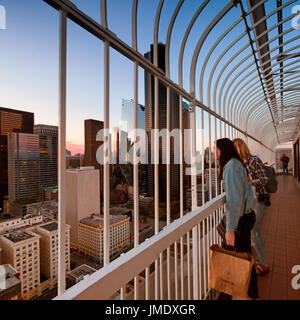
[230, 238]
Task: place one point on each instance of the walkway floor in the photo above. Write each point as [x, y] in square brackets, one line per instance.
[281, 233]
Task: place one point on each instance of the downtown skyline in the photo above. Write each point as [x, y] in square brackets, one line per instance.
[29, 60]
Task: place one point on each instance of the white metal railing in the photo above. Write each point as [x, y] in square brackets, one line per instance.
[174, 279]
[179, 253]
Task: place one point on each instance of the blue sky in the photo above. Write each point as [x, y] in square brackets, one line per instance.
[29, 57]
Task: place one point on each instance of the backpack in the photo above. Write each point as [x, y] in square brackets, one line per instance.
[271, 186]
[287, 159]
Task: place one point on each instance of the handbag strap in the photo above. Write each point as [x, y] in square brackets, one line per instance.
[244, 210]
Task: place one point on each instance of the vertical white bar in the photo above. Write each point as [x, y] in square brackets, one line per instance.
[209, 241]
[168, 156]
[62, 152]
[106, 190]
[216, 172]
[168, 274]
[176, 269]
[204, 255]
[209, 226]
[200, 261]
[209, 157]
[202, 151]
[147, 284]
[215, 158]
[122, 293]
[156, 176]
[219, 220]
[103, 11]
[161, 276]
[181, 192]
[136, 176]
[181, 269]
[188, 264]
[168, 184]
[194, 202]
[214, 226]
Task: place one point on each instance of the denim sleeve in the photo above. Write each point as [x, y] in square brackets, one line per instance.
[234, 197]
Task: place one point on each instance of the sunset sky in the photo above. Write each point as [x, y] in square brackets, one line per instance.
[29, 58]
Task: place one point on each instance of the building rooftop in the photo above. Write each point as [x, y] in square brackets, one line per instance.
[50, 226]
[97, 220]
[48, 205]
[45, 126]
[16, 111]
[81, 271]
[10, 277]
[18, 236]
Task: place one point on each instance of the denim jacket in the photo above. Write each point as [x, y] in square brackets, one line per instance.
[238, 193]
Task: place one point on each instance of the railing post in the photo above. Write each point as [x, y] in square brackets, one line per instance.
[106, 189]
[62, 152]
[181, 193]
[136, 175]
[156, 176]
[194, 200]
[168, 183]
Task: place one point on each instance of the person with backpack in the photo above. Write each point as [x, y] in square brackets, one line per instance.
[257, 172]
[240, 215]
[285, 163]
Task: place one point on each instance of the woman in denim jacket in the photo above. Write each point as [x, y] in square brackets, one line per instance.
[240, 216]
[259, 179]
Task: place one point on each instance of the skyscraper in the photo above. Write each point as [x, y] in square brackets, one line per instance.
[48, 233]
[91, 128]
[149, 124]
[23, 166]
[48, 154]
[127, 115]
[21, 249]
[82, 198]
[10, 121]
[127, 120]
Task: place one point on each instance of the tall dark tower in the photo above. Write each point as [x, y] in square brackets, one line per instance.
[48, 137]
[149, 124]
[10, 121]
[91, 128]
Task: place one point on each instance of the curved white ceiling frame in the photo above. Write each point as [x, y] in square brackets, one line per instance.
[235, 56]
[257, 104]
[230, 119]
[235, 112]
[257, 107]
[238, 94]
[245, 89]
[246, 94]
[239, 102]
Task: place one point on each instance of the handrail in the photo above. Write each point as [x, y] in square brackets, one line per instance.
[105, 282]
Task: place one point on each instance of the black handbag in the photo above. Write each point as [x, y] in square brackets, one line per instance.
[221, 228]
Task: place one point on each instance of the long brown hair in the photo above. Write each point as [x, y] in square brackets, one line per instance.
[241, 148]
[228, 152]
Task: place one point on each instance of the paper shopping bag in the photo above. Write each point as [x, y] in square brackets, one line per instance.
[230, 271]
